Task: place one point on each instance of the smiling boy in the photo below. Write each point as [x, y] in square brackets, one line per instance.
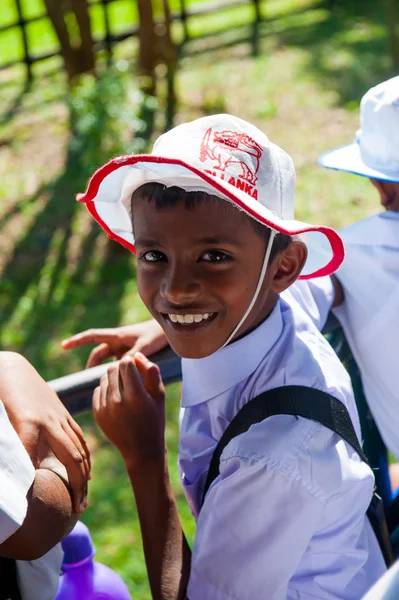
[210, 216]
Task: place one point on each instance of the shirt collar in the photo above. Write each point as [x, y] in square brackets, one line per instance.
[205, 378]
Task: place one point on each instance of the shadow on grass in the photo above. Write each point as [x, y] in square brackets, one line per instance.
[59, 279]
[346, 43]
[37, 270]
[15, 103]
[347, 46]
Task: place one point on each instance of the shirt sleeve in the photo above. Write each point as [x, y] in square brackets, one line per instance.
[16, 477]
[316, 297]
[252, 532]
[39, 579]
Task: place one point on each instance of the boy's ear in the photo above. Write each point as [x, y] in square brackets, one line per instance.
[287, 266]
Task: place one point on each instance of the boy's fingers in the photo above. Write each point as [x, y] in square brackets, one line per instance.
[90, 336]
[113, 381]
[144, 346]
[98, 355]
[103, 391]
[96, 400]
[129, 376]
[155, 383]
[82, 448]
[151, 376]
[72, 459]
[78, 431]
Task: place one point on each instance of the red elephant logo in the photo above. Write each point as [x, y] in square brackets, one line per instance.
[218, 146]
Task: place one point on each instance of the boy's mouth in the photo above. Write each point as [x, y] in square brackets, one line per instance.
[189, 322]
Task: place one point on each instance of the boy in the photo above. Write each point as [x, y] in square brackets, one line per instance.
[210, 216]
[365, 291]
[36, 509]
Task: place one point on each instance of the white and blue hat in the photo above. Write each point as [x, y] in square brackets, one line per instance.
[375, 150]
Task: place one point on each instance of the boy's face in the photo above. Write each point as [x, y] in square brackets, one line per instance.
[389, 193]
[197, 270]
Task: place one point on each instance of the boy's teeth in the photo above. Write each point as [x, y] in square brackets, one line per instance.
[188, 318]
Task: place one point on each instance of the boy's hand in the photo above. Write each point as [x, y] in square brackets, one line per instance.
[41, 420]
[147, 337]
[129, 406]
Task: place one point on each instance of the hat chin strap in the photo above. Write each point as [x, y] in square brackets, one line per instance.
[258, 287]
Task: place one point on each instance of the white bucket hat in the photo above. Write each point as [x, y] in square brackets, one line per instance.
[224, 156]
[375, 150]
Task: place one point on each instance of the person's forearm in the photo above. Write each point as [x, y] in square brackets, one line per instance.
[166, 551]
[339, 295]
[48, 520]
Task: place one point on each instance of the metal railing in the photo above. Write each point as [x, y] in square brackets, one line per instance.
[76, 390]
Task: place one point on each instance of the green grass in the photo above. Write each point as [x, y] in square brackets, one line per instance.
[298, 77]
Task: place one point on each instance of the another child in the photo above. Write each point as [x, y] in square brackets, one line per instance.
[210, 216]
[36, 508]
[369, 277]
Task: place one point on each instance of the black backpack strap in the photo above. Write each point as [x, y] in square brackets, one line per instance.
[295, 400]
[8, 579]
[301, 401]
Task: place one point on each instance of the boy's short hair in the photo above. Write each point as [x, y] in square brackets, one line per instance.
[166, 197]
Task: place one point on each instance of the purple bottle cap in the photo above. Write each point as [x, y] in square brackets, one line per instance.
[78, 546]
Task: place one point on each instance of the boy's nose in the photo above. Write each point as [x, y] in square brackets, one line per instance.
[180, 287]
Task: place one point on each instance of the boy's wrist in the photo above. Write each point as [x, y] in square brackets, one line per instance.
[150, 466]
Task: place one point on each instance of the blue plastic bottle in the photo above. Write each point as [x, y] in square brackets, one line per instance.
[83, 578]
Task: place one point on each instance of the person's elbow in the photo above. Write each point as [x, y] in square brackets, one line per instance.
[48, 520]
[21, 547]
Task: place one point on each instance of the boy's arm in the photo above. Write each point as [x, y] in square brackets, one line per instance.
[35, 505]
[166, 550]
[339, 295]
[41, 421]
[49, 518]
[129, 406]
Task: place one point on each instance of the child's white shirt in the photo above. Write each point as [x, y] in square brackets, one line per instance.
[38, 579]
[370, 313]
[386, 588]
[286, 517]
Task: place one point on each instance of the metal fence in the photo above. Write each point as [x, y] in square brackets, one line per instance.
[110, 38]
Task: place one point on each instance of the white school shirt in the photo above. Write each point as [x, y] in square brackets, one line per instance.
[38, 579]
[386, 588]
[370, 315]
[286, 517]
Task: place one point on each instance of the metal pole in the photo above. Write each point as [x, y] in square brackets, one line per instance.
[76, 390]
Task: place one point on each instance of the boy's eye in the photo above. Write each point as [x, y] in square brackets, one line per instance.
[215, 256]
[153, 256]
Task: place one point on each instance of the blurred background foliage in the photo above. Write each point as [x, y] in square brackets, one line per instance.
[298, 73]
